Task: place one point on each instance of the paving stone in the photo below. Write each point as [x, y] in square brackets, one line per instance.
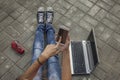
[86, 25]
[25, 36]
[24, 60]
[105, 52]
[4, 67]
[5, 42]
[71, 1]
[13, 55]
[87, 3]
[94, 10]
[109, 24]
[12, 32]
[2, 58]
[81, 6]
[110, 2]
[24, 16]
[113, 18]
[21, 9]
[106, 34]
[7, 21]
[27, 65]
[113, 42]
[64, 3]
[15, 14]
[90, 20]
[3, 15]
[77, 16]
[71, 12]
[100, 43]
[3, 36]
[20, 28]
[10, 8]
[76, 31]
[32, 20]
[59, 8]
[115, 10]
[99, 73]
[50, 2]
[100, 15]
[92, 77]
[99, 29]
[103, 5]
[12, 74]
[57, 17]
[94, 1]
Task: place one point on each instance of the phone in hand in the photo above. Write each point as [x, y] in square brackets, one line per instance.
[63, 33]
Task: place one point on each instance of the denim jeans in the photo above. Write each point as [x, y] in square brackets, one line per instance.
[54, 70]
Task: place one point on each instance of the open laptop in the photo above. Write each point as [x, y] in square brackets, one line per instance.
[84, 55]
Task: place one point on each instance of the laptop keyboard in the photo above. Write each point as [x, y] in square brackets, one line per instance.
[78, 58]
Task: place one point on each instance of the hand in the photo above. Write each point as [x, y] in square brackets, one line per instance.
[53, 49]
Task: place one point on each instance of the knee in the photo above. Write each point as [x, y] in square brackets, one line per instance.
[54, 76]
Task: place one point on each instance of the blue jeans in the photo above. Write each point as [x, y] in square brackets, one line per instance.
[54, 70]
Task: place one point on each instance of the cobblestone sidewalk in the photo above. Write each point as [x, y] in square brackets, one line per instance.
[18, 21]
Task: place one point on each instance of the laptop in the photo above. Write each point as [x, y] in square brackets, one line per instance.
[84, 55]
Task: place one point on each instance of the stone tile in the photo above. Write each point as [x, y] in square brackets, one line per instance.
[110, 2]
[103, 5]
[15, 14]
[3, 36]
[32, 20]
[100, 15]
[24, 16]
[113, 42]
[77, 31]
[3, 15]
[109, 24]
[87, 3]
[113, 18]
[106, 34]
[57, 17]
[100, 43]
[64, 3]
[94, 10]
[77, 16]
[20, 28]
[71, 12]
[81, 6]
[50, 2]
[13, 55]
[5, 42]
[115, 10]
[59, 8]
[4, 67]
[86, 25]
[90, 20]
[27, 65]
[7, 21]
[29, 43]
[25, 36]
[99, 29]
[12, 74]
[94, 1]
[12, 32]
[2, 58]
[99, 73]
[12, 7]
[24, 60]
[71, 1]
[21, 9]
[92, 77]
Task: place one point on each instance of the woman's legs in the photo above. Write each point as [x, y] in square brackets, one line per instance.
[38, 47]
[54, 70]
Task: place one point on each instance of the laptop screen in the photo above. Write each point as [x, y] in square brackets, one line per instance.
[92, 40]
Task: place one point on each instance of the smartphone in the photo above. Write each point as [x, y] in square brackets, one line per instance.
[63, 33]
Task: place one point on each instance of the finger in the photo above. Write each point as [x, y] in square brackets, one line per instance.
[59, 41]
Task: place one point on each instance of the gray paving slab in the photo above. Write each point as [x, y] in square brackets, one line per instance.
[18, 21]
[12, 74]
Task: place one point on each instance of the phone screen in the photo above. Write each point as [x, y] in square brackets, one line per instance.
[63, 34]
